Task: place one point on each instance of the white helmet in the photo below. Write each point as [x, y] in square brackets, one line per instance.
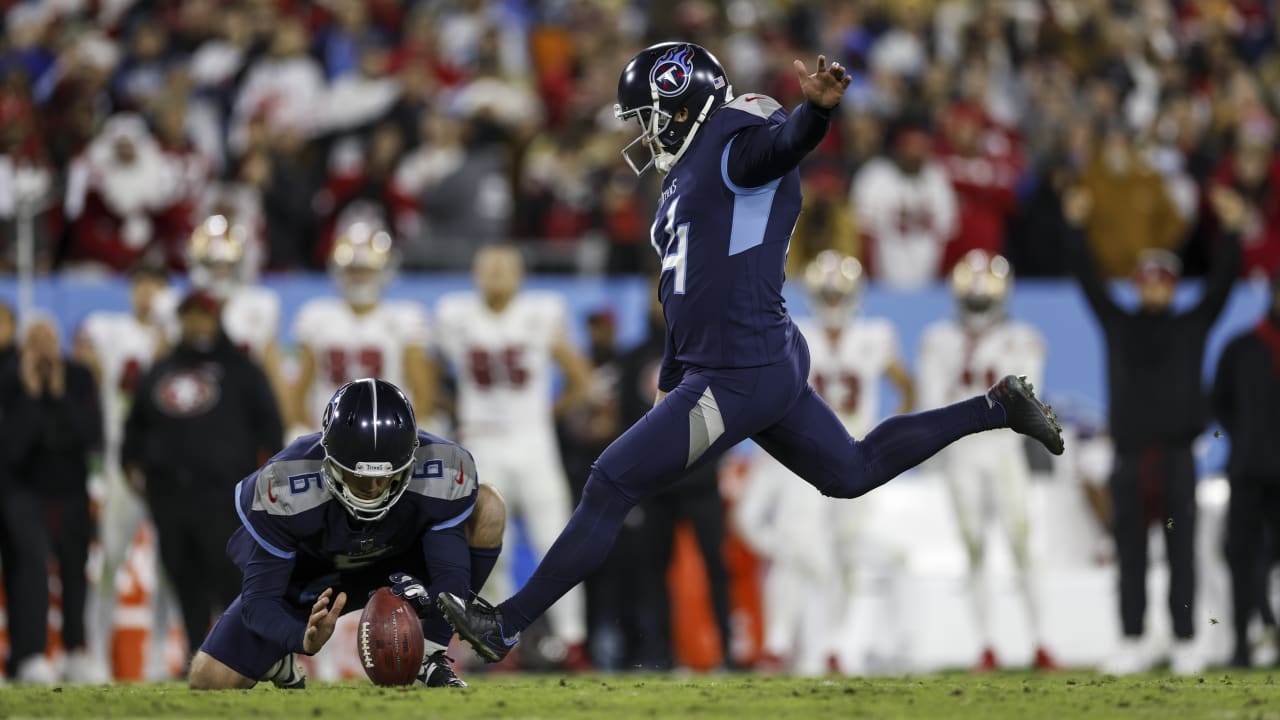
[834, 283]
[362, 262]
[217, 256]
[981, 284]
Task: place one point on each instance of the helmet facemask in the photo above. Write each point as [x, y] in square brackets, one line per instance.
[834, 283]
[981, 284]
[337, 480]
[362, 263]
[654, 123]
[219, 279]
[834, 308]
[979, 312]
[217, 257]
[362, 287]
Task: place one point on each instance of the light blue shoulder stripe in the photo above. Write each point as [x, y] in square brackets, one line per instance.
[751, 208]
[244, 520]
[456, 519]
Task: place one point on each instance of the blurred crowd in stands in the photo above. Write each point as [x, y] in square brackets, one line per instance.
[124, 122]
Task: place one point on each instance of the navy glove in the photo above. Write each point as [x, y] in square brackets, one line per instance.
[412, 590]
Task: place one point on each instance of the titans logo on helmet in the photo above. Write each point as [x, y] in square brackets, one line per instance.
[672, 71]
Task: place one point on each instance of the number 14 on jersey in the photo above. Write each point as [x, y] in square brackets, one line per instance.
[677, 247]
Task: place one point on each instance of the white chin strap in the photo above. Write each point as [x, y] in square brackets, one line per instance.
[664, 161]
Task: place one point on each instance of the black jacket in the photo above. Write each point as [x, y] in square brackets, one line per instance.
[1246, 400]
[1155, 361]
[47, 440]
[200, 422]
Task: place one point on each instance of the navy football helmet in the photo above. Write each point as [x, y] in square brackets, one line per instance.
[369, 438]
[655, 86]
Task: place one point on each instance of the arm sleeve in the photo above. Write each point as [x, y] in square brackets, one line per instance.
[762, 153]
[1222, 276]
[416, 326]
[946, 212]
[931, 372]
[443, 339]
[1095, 290]
[449, 562]
[303, 328]
[262, 603]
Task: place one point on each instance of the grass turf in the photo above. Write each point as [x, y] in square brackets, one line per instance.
[1252, 695]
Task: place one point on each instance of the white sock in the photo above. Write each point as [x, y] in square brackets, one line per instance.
[978, 603]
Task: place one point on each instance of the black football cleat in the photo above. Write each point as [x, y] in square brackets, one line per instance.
[480, 624]
[287, 674]
[1025, 414]
[436, 671]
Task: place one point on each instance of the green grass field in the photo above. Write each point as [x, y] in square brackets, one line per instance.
[1254, 695]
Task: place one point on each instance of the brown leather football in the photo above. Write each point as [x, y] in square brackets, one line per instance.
[389, 641]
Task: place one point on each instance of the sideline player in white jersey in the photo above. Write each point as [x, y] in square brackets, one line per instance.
[220, 262]
[988, 472]
[119, 346]
[812, 541]
[502, 344]
[340, 339]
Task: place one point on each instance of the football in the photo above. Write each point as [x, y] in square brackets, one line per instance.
[389, 641]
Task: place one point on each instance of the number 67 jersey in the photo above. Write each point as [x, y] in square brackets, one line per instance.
[846, 369]
[348, 346]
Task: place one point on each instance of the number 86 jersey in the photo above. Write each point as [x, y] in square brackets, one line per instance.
[502, 360]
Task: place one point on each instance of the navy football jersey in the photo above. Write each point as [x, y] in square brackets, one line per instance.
[723, 248]
[286, 510]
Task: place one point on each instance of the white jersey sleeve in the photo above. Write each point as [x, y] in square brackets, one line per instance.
[452, 311]
[1024, 349]
[251, 318]
[882, 336]
[938, 364]
[411, 324]
[549, 317]
[164, 313]
[309, 323]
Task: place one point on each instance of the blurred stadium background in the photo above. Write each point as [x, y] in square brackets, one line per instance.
[462, 123]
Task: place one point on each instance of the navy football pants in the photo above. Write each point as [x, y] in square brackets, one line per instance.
[713, 410]
[232, 643]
